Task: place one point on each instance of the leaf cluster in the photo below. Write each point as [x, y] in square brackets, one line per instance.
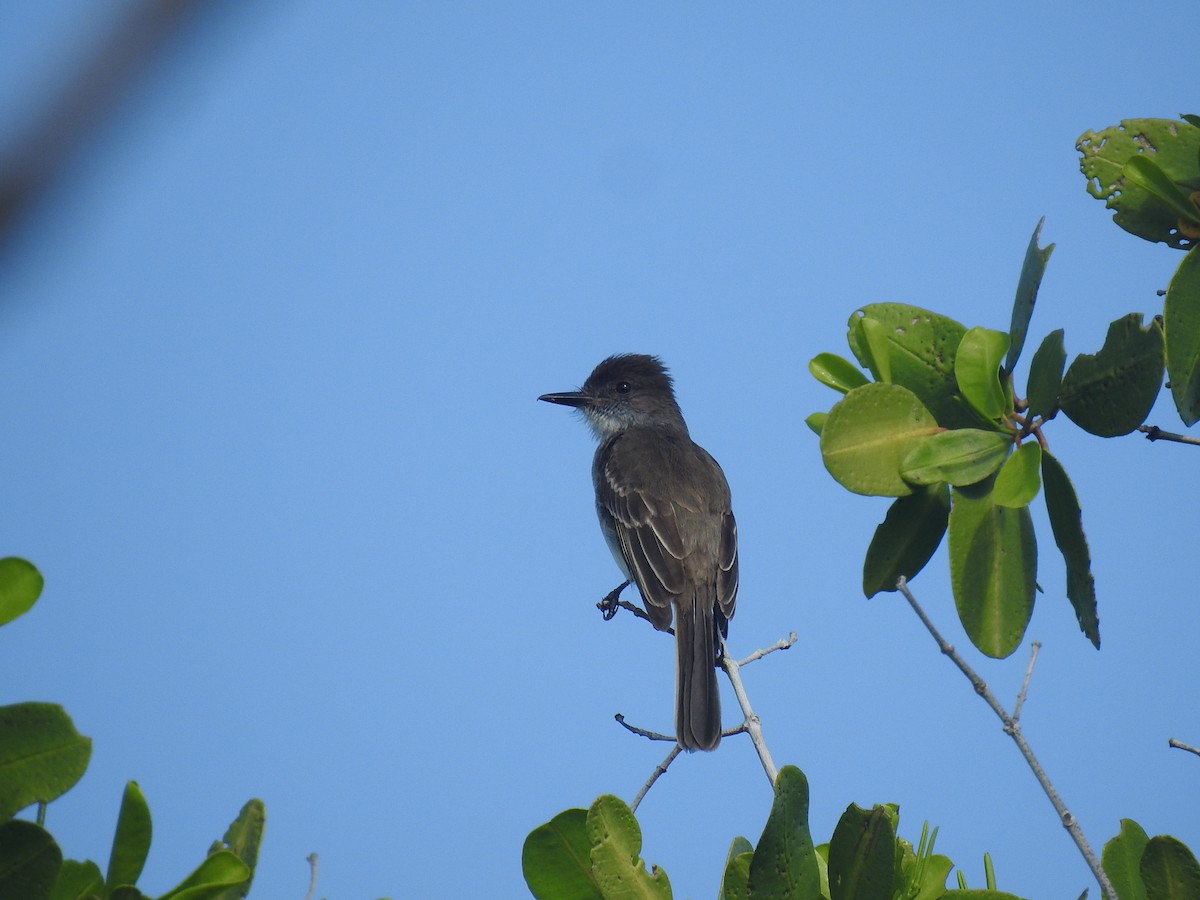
[42, 756]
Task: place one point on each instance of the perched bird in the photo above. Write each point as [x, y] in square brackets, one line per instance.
[664, 508]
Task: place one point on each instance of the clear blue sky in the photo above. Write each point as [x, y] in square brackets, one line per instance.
[269, 360]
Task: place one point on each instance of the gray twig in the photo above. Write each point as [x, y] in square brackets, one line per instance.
[1033, 652]
[1180, 745]
[1154, 433]
[752, 724]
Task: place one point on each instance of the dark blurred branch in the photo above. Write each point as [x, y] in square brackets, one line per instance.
[137, 38]
[1154, 433]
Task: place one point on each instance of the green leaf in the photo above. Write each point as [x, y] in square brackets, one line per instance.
[1045, 375]
[959, 457]
[978, 894]
[243, 838]
[29, 861]
[1066, 521]
[1169, 870]
[1145, 173]
[556, 858]
[616, 843]
[131, 843]
[78, 881]
[1018, 481]
[219, 872]
[867, 435]
[862, 855]
[735, 882]
[1032, 270]
[1181, 326]
[977, 371]
[41, 755]
[1122, 859]
[816, 422]
[20, 586]
[919, 347]
[906, 539]
[1173, 146]
[1111, 392]
[836, 372]
[993, 567]
[785, 863]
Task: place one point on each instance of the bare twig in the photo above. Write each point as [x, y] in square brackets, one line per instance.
[1154, 433]
[1033, 652]
[781, 644]
[312, 875]
[651, 735]
[1013, 729]
[1180, 745]
[660, 769]
[752, 725]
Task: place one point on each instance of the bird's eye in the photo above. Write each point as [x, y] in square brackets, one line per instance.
[624, 387]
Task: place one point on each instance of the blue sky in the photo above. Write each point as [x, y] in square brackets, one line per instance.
[270, 355]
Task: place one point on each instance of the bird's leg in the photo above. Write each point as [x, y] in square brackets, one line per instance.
[611, 602]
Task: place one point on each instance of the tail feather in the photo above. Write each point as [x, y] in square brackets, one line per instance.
[697, 700]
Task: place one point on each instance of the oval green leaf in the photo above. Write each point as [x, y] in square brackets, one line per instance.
[960, 457]
[41, 755]
[993, 567]
[919, 348]
[906, 539]
[1066, 521]
[1045, 375]
[1181, 325]
[1019, 479]
[616, 841]
[1169, 870]
[1173, 145]
[862, 855]
[20, 585]
[556, 858]
[868, 434]
[836, 372]
[29, 860]
[977, 370]
[1122, 859]
[131, 842]
[1110, 393]
[816, 421]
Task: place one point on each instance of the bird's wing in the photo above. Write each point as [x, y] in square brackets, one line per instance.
[727, 572]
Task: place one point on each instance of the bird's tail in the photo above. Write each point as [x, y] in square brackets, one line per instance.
[697, 701]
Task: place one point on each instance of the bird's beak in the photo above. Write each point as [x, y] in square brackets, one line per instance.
[567, 398]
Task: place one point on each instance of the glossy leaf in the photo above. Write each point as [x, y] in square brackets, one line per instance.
[78, 881]
[616, 841]
[1032, 270]
[862, 855]
[131, 842]
[243, 838]
[29, 861]
[735, 882]
[868, 434]
[556, 858]
[1145, 173]
[1110, 393]
[1181, 326]
[785, 861]
[993, 567]
[1019, 479]
[20, 586]
[977, 371]
[816, 421]
[920, 354]
[1066, 521]
[41, 755]
[873, 338]
[219, 872]
[1045, 375]
[1122, 859]
[959, 457]
[1169, 870]
[836, 372]
[906, 539]
[1173, 145]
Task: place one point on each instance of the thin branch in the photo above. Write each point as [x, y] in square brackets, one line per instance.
[1154, 433]
[1013, 729]
[660, 769]
[650, 735]
[753, 724]
[781, 644]
[312, 875]
[1180, 745]
[1033, 652]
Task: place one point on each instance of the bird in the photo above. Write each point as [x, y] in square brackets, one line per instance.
[665, 512]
